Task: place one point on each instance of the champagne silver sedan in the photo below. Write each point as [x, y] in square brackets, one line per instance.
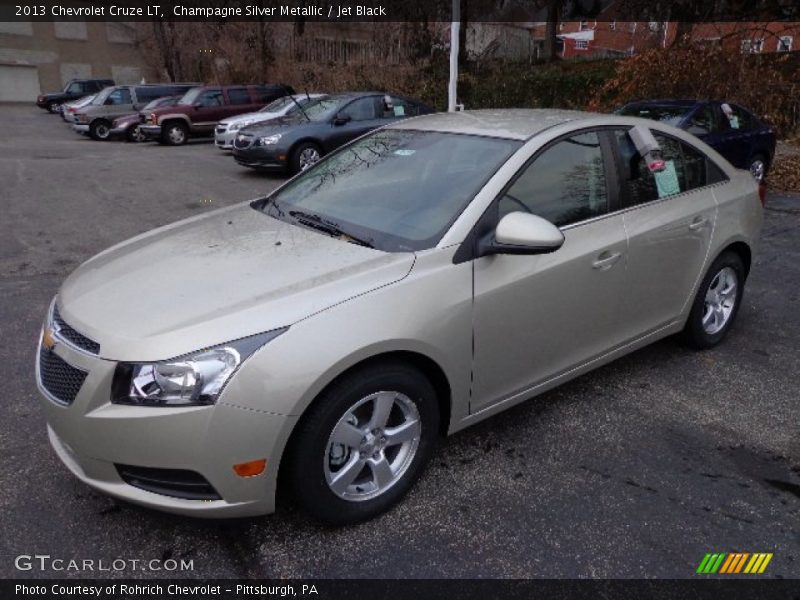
[419, 280]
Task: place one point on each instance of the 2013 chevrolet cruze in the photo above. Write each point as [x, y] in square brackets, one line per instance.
[417, 281]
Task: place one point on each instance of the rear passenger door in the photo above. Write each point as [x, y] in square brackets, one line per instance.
[209, 108]
[670, 218]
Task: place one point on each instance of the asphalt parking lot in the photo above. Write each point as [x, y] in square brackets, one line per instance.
[635, 470]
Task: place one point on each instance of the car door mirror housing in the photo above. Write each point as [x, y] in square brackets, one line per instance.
[341, 119]
[522, 233]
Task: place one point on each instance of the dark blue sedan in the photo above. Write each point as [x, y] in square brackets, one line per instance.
[736, 133]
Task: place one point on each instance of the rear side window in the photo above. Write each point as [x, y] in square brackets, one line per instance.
[565, 184]
[146, 94]
[738, 118]
[239, 96]
[687, 169]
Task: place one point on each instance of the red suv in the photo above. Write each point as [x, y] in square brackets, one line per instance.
[202, 107]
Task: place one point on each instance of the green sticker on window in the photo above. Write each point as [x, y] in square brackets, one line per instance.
[667, 180]
[399, 111]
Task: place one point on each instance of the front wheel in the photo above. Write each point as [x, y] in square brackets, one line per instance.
[175, 134]
[305, 156]
[363, 444]
[717, 302]
[54, 107]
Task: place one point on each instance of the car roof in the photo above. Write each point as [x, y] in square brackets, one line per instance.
[667, 102]
[511, 123]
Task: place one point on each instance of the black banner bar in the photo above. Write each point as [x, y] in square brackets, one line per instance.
[528, 11]
[739, 587]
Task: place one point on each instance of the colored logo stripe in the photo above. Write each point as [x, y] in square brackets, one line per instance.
[734, 562]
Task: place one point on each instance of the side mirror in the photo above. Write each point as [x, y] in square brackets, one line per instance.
[341, 119]
[522, 233]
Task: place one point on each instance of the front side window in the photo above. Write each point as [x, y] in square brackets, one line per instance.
[75, 88]
[362, 109]
[211, 99]
[119, 96]
[565, 184]
[703, 121]
[398, 190]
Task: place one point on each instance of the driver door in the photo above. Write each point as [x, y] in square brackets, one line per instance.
[363, 117]
[539, 316]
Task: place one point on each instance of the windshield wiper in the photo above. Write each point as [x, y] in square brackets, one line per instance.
[315, 221]
[300, 106]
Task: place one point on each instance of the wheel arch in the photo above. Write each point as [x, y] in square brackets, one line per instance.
[304, 140]
[742, 249]
[425, 364]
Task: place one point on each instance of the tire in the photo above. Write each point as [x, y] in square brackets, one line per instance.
[714, 310]
[759, 167]
[348, 482]
[174, 133]
[134, 135]
[304, 156]
[100, 129]
[54, 107]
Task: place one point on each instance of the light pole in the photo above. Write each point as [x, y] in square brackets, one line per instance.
[455, 24]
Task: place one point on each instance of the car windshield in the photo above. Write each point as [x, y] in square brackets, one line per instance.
[168, 101]
[278, 104]
[190, 96]
[324, 109]
[397, 190]
[669, 114]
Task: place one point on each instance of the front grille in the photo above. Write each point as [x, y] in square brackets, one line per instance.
[168, 482]
[72, 336]
[220, 129]
[61, 380]
[242, 141]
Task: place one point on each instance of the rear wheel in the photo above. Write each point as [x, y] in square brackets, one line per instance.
[759, 167]
[100, 129]
[717, 302]
[305, 156]
[175, 133]
[364, 443]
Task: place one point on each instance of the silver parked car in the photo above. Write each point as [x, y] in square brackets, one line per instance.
[420, 279]
[226, 130]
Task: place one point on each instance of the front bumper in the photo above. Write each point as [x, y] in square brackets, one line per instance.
[261, 157]
[82, 128]
[223, 138]
[152, 132]
[120, 130]
[91, 436]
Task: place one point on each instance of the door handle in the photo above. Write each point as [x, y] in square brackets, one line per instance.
[698, 223]
[606, 260]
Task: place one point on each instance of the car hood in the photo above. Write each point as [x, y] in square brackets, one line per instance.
[253, 116]
[216, 278]
[281, 124]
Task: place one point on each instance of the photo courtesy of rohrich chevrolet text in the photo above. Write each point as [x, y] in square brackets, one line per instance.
[461, 298]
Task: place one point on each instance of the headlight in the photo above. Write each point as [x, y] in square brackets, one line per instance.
[269, 140]
[236, 126]
[191, 380]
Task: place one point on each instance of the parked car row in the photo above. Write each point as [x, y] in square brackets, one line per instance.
[271, 127]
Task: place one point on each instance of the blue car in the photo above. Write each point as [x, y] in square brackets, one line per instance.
[736, 133]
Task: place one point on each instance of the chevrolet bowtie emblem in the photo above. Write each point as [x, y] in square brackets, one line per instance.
[48, 339]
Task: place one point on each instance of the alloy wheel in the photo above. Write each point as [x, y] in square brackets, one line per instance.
[137, 135]
[720, 300]
[758, 169]
[308, 157]
[372, 446]
[176, 135]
